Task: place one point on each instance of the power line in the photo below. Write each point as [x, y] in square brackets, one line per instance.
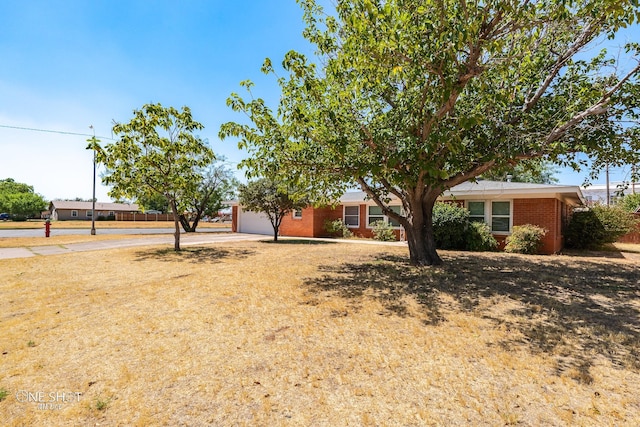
[54, 131]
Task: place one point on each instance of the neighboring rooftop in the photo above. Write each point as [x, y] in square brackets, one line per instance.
[100, 206]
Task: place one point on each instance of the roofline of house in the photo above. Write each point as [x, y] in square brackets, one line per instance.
[563, 192]
[567, 193]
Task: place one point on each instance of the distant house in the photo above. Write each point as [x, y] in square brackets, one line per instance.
[67, 210]
[502, 205]
[597, 193]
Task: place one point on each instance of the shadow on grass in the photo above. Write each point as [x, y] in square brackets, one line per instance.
[571, 308]
[193, 254]
[298, 242]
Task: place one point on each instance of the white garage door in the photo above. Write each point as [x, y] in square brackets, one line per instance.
[255, 223]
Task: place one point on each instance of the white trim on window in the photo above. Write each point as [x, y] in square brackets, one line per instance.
[352, 218]
[494, 214]
[379, 216]
[376, 216]
[498, 217]
[477, 210]
[74, 214]
[89, 214]
[296, 214]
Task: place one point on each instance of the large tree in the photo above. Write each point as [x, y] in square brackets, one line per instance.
[20, 200]
[156, 153]
[414, 97]
[273, 199]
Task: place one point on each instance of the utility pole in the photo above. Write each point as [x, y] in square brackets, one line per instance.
[607, 176]
[93, 199]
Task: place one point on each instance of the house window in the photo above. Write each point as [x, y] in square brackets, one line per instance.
[500, 216]
[74, 214]
[112, 213]
[375, 214]
[398, 210]
[352, 216]
[89, 214]
[476, 211]
[297, 213]
[496, 214]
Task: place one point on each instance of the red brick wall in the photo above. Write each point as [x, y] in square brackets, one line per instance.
[545, 213]
[321, 215]
[299, 227]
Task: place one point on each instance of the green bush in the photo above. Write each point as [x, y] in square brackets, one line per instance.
[479, 238]
[616, 221]
[383, 231]
[599, 225]
[337, 228]
[450, 226]
[631, 202]
[584, 231]
[525, 239]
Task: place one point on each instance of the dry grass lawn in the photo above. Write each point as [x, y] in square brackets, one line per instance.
[318, 335]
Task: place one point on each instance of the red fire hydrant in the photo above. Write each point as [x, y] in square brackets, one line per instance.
[47, 228]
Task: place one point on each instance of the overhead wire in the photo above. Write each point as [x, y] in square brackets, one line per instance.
[54, 131]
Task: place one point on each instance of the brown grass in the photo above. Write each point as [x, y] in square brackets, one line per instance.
[326, 334]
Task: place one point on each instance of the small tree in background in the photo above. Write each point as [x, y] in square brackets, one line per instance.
[205, 196]
[538, 171]
[272, 199]
[20, 200]
[156, 153]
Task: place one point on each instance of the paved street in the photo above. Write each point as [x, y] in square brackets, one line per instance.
[39, 232]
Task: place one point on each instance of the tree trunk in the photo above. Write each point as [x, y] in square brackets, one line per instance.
[419, 232]
[176, 223]
[195, 222]
[185, 224]
[275, 222]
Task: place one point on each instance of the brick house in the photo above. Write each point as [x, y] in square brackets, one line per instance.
[67, 210]
[502, 205]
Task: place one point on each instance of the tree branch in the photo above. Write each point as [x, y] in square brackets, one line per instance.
[599, 108]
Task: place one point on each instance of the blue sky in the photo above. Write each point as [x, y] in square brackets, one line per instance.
[70, 64]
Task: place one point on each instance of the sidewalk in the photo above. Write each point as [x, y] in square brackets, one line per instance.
[185, 240]
[167, 239]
